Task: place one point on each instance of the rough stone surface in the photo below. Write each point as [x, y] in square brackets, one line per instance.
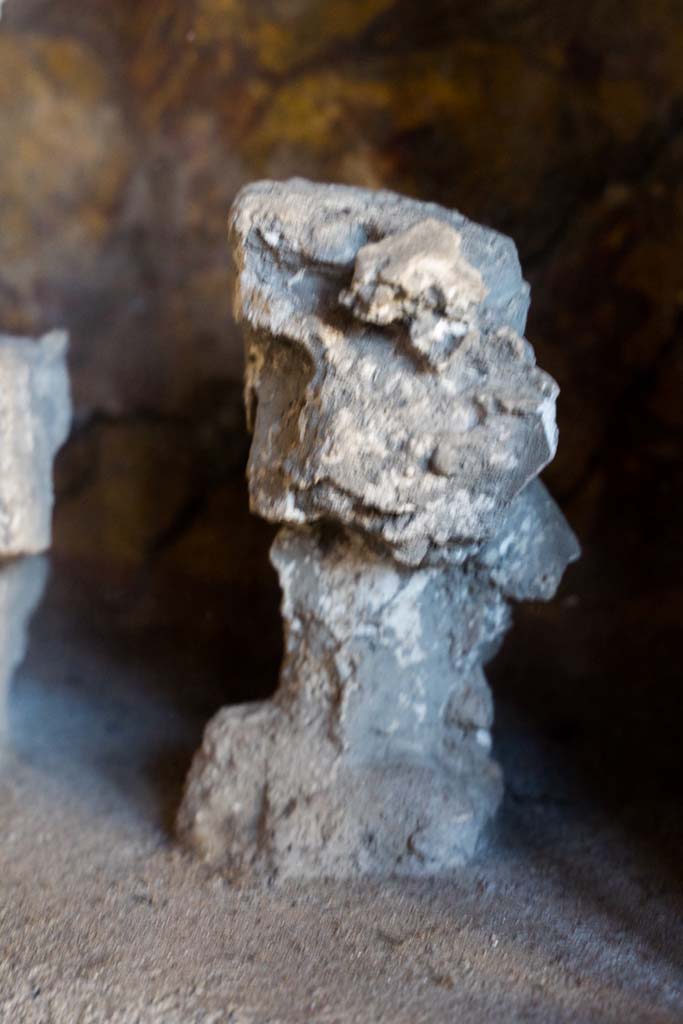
[398, 418]
[419, 417]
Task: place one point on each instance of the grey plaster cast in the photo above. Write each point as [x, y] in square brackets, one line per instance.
[35, 413]
[399, 421]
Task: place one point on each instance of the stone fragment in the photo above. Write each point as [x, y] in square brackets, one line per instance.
[399, 421]
[529, 554]
[419, 278]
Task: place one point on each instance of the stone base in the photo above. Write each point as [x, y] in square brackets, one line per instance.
[264, 801]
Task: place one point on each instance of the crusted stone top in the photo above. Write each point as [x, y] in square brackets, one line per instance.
[388, 385]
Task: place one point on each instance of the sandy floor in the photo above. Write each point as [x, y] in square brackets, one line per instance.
[571, 913]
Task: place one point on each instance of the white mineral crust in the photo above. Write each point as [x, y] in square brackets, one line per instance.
[399, 422]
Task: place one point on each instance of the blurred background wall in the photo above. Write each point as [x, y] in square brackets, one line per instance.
[127, 128]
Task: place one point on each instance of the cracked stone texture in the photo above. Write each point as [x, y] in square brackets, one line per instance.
[412, 443]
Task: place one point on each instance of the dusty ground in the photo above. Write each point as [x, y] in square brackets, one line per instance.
[572, 913]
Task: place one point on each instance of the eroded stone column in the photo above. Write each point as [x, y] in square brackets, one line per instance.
[399, 422]
[35, 414]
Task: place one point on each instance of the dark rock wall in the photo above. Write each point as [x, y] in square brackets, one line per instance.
[127, 129]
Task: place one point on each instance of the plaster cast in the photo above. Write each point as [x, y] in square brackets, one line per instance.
[399, 421]
[35, 414]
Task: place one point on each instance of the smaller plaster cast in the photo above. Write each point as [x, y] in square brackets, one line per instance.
[35, 413]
